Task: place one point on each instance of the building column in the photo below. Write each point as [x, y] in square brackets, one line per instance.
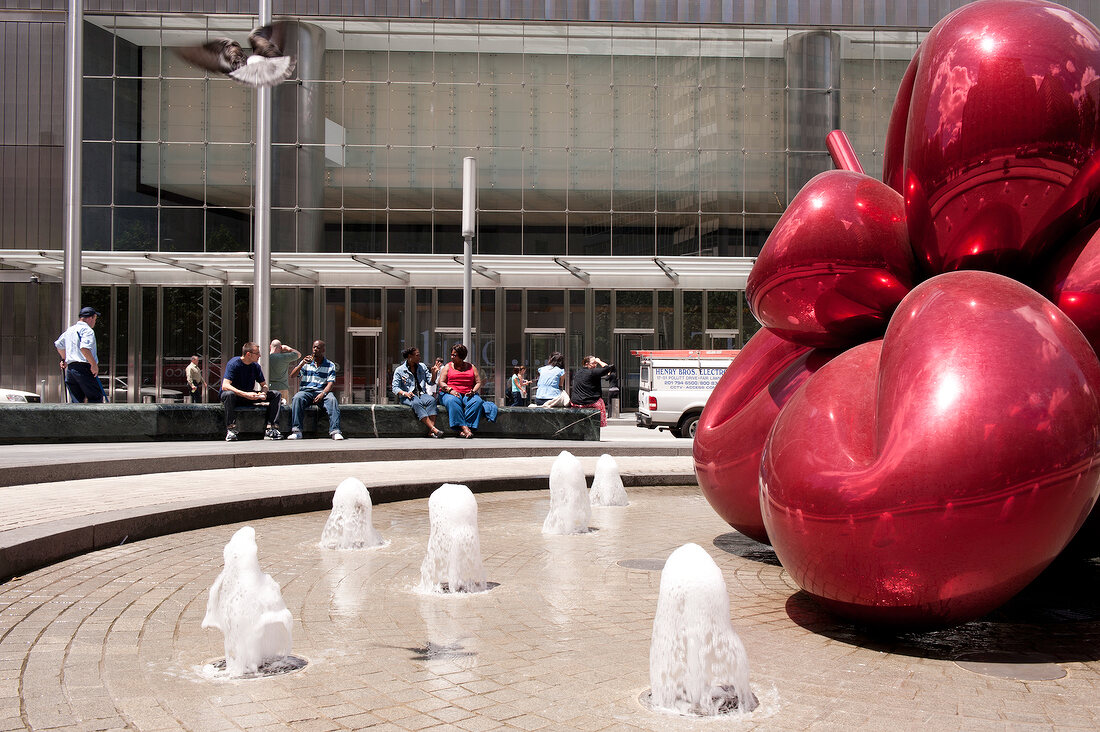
[813, 103]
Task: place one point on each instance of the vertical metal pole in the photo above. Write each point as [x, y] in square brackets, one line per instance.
[261, 249]
[467, 293]
[158, 359]
[469, 228]
[74, 42]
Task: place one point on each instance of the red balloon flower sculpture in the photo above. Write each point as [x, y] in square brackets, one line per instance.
[930, 471]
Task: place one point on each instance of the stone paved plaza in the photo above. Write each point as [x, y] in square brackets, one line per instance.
[112, 639]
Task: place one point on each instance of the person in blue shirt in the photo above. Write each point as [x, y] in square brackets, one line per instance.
[77, 348]
[239, 381]
[317, 377]
[410, 386]
[551, 381]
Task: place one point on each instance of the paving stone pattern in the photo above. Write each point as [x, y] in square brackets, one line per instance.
[112, 640]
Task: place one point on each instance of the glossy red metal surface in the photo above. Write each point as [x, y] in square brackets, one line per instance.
[1000, 133]
[737, 419]
[1073, 283]
[926, 478]
[893, 172]
[836, 264]
[841, 151]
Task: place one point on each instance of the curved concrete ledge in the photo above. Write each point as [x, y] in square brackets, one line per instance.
[52, 463]
[31, 547]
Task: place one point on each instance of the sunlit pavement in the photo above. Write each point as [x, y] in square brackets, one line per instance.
[111, 639]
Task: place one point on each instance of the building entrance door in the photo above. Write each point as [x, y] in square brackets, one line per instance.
[628, 365]
[363, 372]
[445, 340]
[539, 345]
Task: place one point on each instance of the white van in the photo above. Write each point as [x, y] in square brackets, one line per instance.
[673, 387]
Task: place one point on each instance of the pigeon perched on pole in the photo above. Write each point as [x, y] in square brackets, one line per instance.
[267, 66]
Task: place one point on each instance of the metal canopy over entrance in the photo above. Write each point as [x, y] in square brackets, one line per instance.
[389, 270]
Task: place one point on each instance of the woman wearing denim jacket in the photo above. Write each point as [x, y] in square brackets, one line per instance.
[410, 386]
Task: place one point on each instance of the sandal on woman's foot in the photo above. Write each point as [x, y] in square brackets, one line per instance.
[434, 433]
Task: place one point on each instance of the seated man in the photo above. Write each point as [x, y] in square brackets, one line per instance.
[242, 373]
[317, 377]
[410, 385]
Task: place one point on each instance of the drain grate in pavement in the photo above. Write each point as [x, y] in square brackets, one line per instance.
[1004, 665]
[726, 698]
[274, 667]
[650, 565]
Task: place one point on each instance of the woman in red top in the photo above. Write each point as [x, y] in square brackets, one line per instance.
[459, 384]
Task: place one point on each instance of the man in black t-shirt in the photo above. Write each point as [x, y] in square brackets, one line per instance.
[586, 389]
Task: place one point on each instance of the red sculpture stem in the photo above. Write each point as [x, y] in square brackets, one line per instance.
[840, 147]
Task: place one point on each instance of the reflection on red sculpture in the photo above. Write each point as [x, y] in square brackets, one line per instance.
[836, 264]
[928, 477]
[737, 419]
[1000, 133]
[1074, 283]
[925, 478]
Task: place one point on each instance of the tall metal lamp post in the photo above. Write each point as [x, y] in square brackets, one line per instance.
[469, 228]
[261, 240]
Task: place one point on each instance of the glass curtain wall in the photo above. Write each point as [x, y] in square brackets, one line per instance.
[628, 140]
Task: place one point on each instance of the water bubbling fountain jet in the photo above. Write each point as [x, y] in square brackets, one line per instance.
[349, 525]
[697, 663]
[453, 562]
[607, 485]
[247, 607]
[570, 510]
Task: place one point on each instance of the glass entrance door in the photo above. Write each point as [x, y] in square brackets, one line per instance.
[363, 372]
[445, 340]
[628, 365]
[539, 347]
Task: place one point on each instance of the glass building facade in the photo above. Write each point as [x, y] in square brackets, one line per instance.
[601, 147]
[590, 139]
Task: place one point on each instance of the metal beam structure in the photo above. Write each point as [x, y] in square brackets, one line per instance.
[383, 268]
[580, 275]
[122, 274]
[294, 269]
[218, 274]
[667, 270]
[331, 269]
[483, 271]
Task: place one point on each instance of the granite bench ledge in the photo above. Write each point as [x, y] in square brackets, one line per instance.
[73, 423]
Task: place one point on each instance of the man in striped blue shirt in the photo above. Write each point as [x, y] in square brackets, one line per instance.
[317, 377]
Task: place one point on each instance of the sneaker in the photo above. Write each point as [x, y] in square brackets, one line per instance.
[295, 435]
[336, 436]
[231, 435]
[273, 433]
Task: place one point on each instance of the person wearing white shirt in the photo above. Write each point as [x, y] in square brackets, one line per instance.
[77, 348]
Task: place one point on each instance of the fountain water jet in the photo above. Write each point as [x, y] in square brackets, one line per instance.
[349, 525]
[697, 663]
[247, 607]
[453, 562]
[570, 510]
[607, 485]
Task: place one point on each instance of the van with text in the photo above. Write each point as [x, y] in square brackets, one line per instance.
[673, 387]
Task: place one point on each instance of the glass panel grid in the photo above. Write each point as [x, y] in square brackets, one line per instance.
[590, 138]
